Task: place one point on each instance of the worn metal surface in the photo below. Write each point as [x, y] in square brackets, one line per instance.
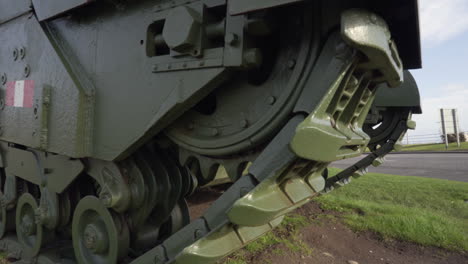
[370, 34]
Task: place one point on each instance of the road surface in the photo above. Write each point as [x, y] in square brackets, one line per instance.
[449, 166]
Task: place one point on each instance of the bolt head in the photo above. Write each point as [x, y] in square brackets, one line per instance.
[15, 54]
[106, 199]
[271, 100]
[94, 238]
[230, 38]
[22, 52]
[27, 71]
[28, 226]
[4, 78]
[182, 29]
[244, 123]
[90, 237]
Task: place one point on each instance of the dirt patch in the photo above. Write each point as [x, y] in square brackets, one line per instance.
[332, 242]
[203, 199]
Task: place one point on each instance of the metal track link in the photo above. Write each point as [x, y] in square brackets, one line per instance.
[375, 158]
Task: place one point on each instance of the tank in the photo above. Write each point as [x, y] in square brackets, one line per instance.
[112, 113]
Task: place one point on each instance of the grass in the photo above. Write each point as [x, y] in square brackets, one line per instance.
[286, 234]
[426, 211]
[435, 147]
[430, 212]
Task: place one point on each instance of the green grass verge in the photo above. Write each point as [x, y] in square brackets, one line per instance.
[435, 147]
[286, 234]
[430, 212]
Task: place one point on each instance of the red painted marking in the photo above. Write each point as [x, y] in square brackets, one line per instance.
[28, 93]
[10, 94]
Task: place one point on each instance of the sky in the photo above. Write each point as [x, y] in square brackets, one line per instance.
[443, 80]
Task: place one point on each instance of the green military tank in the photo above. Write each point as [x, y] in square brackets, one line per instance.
[113, 112]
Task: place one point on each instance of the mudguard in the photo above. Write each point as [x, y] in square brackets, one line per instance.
[405, 95]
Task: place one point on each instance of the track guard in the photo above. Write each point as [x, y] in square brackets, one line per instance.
[405, 95]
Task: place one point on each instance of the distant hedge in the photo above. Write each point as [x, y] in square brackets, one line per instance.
[453, 138]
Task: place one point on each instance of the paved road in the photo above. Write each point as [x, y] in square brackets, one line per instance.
[433, 165]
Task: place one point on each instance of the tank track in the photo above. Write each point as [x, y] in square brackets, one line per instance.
[380, 146]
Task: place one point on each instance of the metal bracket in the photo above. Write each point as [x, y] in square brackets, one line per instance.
[9, 192]
[44, 129]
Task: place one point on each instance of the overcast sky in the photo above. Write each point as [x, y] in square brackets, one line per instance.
[443, 81]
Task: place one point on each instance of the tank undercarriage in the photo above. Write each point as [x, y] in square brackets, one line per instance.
[301, 98]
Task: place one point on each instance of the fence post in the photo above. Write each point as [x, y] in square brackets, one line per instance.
[444, 131]
[455, 126]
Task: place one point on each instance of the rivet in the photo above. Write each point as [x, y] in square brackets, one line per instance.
[169, 66]
[27, 71]
[373, 18]
[291, 64]
[201, 63]
[271, 100]
[214, 132]
[230, 38]
[22, 52]
[184, 65]
[4, 78]
[15, 54]
[155, 68]
[244, 123]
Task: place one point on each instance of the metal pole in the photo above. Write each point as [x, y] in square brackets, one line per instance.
[455, 126]
[407, 138]
[443, 127]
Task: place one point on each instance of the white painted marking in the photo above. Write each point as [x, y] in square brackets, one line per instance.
[19, 94]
